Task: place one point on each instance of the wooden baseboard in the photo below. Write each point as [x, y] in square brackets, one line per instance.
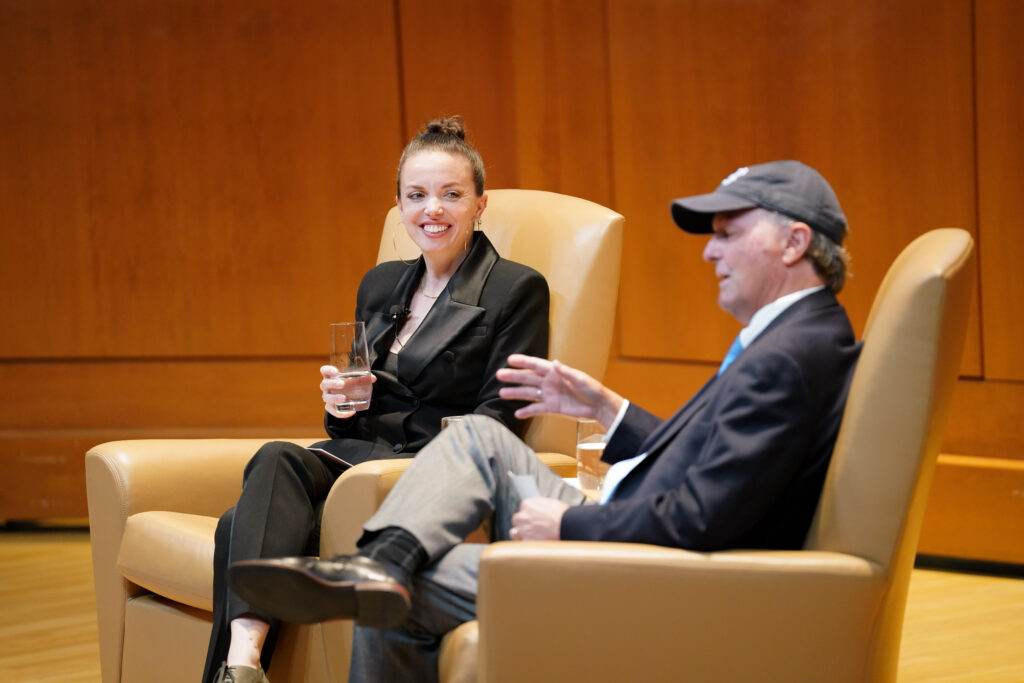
[975, 510]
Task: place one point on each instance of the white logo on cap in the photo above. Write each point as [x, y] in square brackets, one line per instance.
[736, 175]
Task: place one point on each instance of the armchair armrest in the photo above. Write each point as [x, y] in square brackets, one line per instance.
[740, 613]
[561, 464]
[353, 499]
[150, 474]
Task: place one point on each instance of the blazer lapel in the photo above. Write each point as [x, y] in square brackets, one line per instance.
[455, 310]
[682, 417]
[382, 327]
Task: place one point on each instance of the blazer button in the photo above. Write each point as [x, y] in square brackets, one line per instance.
[397, 448]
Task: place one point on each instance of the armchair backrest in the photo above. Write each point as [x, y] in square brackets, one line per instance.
[878, 481]
[577, 245]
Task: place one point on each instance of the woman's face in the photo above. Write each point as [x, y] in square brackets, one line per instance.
[439, 204]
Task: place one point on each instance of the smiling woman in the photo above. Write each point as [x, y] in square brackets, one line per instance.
[440, 207]
[437, 330]
[441, 199]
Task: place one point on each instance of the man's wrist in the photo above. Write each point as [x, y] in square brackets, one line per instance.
[610, 411]
[616, 419]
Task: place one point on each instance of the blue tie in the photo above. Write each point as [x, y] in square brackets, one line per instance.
[731, 354]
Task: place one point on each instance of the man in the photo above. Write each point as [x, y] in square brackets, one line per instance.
[741, 464]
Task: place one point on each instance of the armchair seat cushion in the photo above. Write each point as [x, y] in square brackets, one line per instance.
[170, 554]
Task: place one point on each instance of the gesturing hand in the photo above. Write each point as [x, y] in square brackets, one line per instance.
[553, 387]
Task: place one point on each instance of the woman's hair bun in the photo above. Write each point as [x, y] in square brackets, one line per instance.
[449, 125]
[445, 134]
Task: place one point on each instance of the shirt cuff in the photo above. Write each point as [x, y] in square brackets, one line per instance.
[617, 421]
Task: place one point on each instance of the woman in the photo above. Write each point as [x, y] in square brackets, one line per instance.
[438, 329]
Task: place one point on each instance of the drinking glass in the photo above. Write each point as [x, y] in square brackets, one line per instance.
[450, 420]
[349, 354]
[590, 470]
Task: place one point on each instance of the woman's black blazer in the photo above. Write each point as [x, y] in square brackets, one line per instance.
[489, 309]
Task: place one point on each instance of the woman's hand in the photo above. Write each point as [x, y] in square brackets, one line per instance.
[332, 389]
[554, 387]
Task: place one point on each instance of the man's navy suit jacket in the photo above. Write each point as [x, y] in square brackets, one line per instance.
[742, 464]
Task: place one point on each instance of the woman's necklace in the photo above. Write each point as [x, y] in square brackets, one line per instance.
[423, 289]
[418, 311]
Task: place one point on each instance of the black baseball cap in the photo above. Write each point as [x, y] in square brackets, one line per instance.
[788, 187]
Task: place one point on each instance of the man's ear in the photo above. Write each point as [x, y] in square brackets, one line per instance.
[798, 241]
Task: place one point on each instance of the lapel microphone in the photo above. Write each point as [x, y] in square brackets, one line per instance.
[398, 314]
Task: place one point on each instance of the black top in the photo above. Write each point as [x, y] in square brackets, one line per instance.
[490, 308]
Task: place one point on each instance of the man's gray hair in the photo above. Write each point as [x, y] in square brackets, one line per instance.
[831, 261]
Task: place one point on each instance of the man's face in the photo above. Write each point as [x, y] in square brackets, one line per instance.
[746, 249]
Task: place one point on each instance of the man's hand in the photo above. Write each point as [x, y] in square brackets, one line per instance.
[557, 388]
[538, 519]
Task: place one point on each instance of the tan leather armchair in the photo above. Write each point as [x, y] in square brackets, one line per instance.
[564, 611]
[154, 504]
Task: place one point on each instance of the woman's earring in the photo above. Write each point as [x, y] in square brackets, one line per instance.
[394, 243]
[469, 237]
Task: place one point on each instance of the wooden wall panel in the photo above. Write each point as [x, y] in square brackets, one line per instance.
[977, 499]
[190, 178]
[860, 90]
[190, 192]
[1000, 68]
[658, 386]
[563, 123]
[52, 412]
[162, 396]
[975, 510]
[530, 78]
[467, 71]
[985, 420]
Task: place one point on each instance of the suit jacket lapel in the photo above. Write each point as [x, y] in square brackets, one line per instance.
[455, 309]
[682, 417]
[381, 328]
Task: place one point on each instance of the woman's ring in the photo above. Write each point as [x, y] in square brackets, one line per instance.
[540, 394]
[513, 532]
